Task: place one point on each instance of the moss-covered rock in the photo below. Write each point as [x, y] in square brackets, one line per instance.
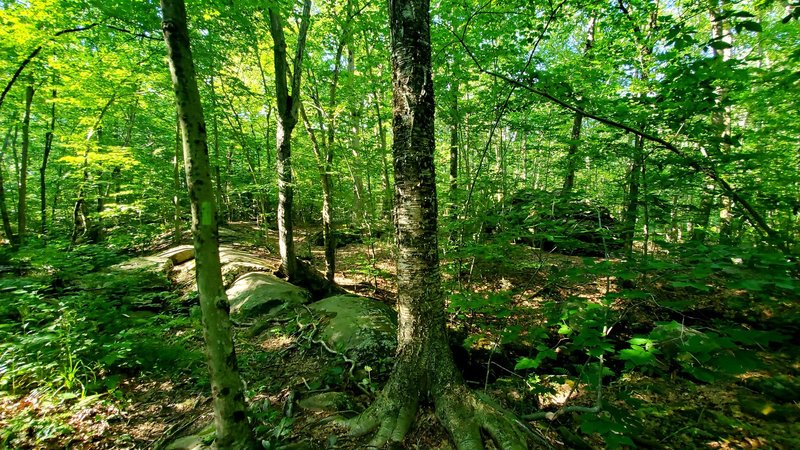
[363, 329]
[256, 294]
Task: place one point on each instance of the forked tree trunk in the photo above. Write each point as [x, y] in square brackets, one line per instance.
[424, 367]
[22, 209]
[288, 105]
[230, 411]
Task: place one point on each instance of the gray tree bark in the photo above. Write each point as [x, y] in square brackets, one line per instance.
[230, 412]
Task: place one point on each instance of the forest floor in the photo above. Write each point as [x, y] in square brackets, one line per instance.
[521, 307]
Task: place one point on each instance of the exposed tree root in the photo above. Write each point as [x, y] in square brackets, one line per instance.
[462, 412]
[465, 414]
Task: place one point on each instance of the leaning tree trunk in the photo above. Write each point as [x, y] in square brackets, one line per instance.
[288, 106]
[22, 209]
[230, 411]
[424, 367]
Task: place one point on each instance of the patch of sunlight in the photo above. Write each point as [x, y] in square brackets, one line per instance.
[563, 393]
[277, 342]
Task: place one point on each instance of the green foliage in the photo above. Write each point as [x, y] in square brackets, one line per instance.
[82, 341]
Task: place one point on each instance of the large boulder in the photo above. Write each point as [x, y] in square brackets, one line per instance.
[235, 263]
[363, 329]
[256, 294]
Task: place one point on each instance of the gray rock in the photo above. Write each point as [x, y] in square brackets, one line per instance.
[256, 293]
[363, 329]
[234, 264]
[162, 262]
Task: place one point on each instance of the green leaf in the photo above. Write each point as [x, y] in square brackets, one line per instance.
[526, 363]
[749, 25]
[719, 45]
[637, 356]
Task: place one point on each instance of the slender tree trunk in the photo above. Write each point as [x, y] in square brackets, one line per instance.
[721, 119]
[288, 105]
[222, 189]
[79, 213]
[454, 122]
[22, 209]
[230, 411]
[48, 147]
[176, 185]
[632, 208]
[386, 205]
[703, 220]
[674, 227]
[572, 155]
[15, 155]
[3, 209]
[577, 122]
[54, 205]
[323, 165]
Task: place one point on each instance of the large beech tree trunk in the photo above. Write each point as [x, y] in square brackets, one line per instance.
[288, 105]
[230, 412]
[424, 367]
